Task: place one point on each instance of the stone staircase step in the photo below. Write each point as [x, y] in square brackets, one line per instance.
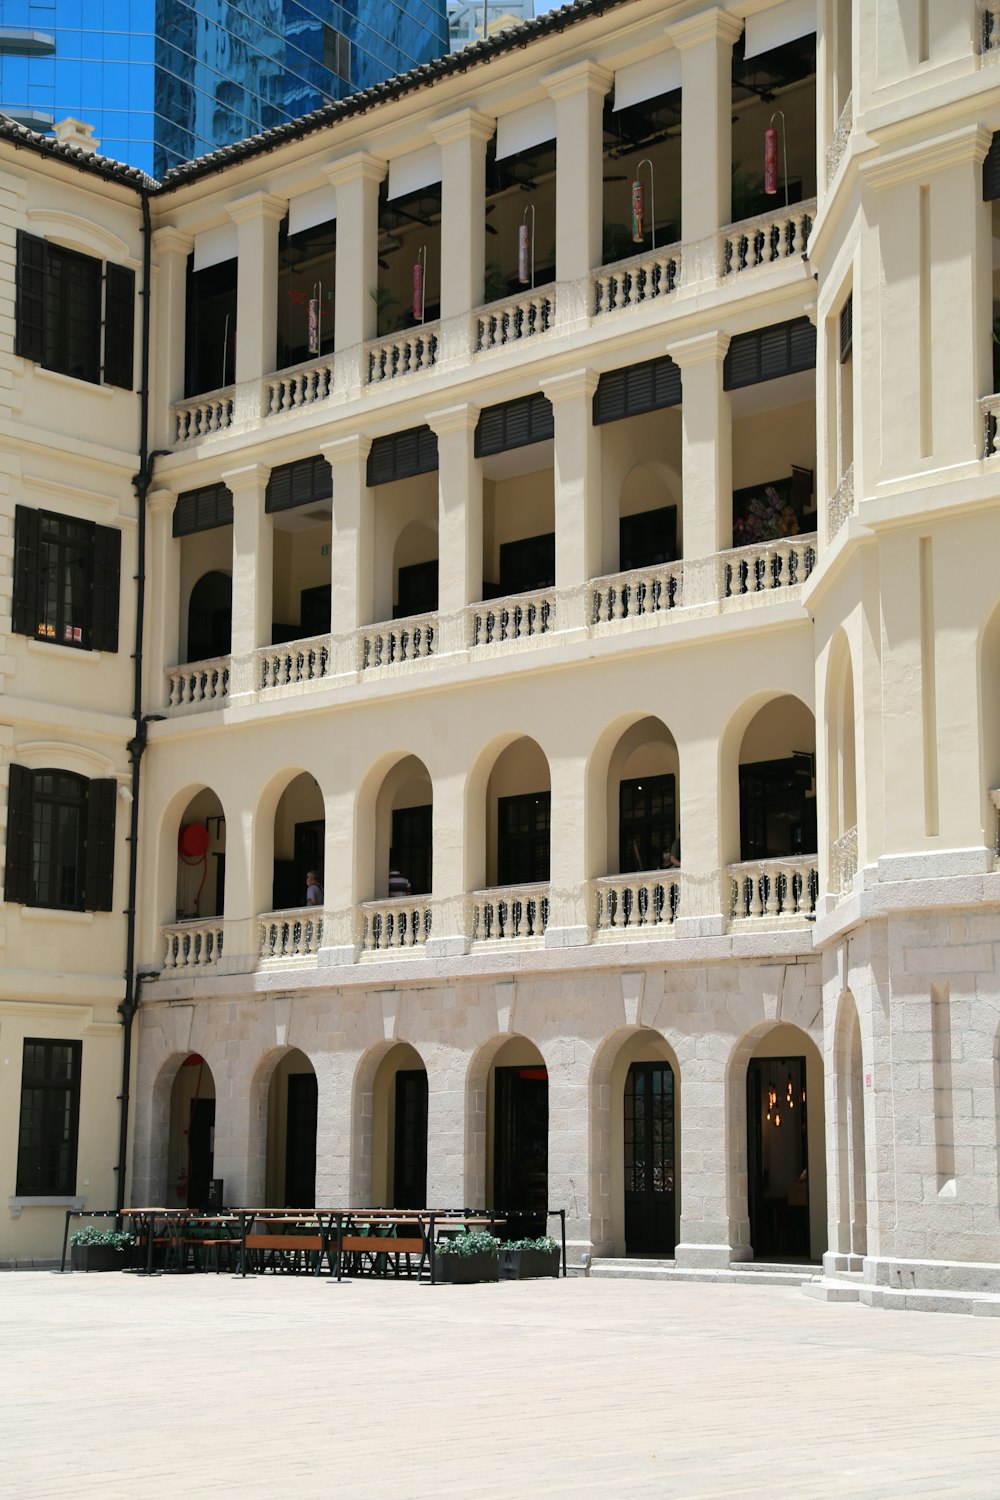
[833, 1289]
[643, 1269]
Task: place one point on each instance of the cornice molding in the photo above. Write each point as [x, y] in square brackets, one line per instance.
[965, 147]
[169, 239]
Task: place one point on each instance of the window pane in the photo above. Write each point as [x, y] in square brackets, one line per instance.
[49, 1118]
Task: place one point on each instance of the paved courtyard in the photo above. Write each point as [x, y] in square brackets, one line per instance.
[118, 1386]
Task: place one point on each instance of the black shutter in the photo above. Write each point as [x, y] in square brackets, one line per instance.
[301, 483]
[99, 864]
[490, 431]
[29, 340]
[769, 353]
[801, 346]
[119, 325]
[203, 510]
[402, 455]
[846, 328]
[650, 386]
[991, 170]
[105, 589]
[514, 424]
[18, 872]
[27, 570]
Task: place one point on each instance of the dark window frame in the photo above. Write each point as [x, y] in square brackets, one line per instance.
[75, 313]
[39, 871]
[36, 1177]
[521, 859]
[48, 546]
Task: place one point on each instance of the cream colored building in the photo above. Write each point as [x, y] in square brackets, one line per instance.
[671, 530]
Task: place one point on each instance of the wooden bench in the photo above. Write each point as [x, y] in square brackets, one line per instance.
[395, 1245]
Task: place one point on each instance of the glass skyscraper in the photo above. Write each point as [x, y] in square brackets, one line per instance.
[162, 81]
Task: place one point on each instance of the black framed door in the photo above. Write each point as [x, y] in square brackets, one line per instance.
[201, 1151]
[523, 825]
[300, 1141]
[649, 1159]
[412, 847]
[521, 1145]
[409, 1187]
[778, 1158]
[647, 822]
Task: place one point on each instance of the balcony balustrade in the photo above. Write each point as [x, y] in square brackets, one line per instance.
[840, 505]
[643, 278]
[508, 914]
[841, 136]
[767, 238]
[199, 684]
[294, 661]
[303, 385]
[403, 923]
[769, 890]
[510, 622]
[636, 595]
[283, 935]
[203, 416]
[641, 905]
[767, 565]
[403, 353]
[193, 945]
[512, 319]
[397, 643]
[844, 862]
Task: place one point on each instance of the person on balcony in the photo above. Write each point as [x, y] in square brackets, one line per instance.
[398, 883]
[672, 858]
[314, 891]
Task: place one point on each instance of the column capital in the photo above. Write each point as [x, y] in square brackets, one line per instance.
[712, 26]
[248, 477]
[169, 240]
[266, 206]
[580, 77]
[569, 384]
[703, 349]
[967, 146]
[346, 450]
[160, 501]
[464, 124]
[461, 418]
[360, 166]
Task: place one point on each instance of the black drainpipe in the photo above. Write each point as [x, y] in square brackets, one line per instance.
[137, 744]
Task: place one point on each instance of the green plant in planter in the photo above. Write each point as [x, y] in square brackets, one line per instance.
[545, 1244]
[524, 1260]
[472, 1242]
[469, 1257]
[111, 1239]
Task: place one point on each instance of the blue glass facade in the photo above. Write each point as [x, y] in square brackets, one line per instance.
[162, 81]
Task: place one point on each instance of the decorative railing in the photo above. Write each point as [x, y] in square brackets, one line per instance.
[506, 321]
[768, 565]
[769, 237]
[290, 934]
[841, 503]
[294, 661]
[642, 278]
[201, 682]
[402, 923]
[989, 30]
[506, 622]
[204, 415]
[509, 913]
[193, 945]
[841, 136]
[403, 354]
[631, 596]
[302, 385]
[396, 642]
[767, 889]
[634, 904]
[844, 862]
[989, 408]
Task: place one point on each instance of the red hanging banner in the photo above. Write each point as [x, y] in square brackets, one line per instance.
[770, 161]
[638, 210]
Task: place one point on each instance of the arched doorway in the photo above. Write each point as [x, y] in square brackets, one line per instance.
[399, 1129]
[517, 1141]
[191, 1137]
[644, 1126]
[290, 1179]
[210, 617]
[786, 1161]
[299, 842]
[201, 859]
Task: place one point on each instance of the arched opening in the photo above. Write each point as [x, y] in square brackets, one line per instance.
[290, 1174]
[648, 515]
[210, 617]
[201, 858]
[517, 1134]
[777, 787]
[643, 1095]
[518, 816]
[399, 1129]
[415, 571]
[643, 800]
[519, 528]
[405, 546]
[299, 841]
[191, 1134]
[850, 1101]
[786, 1153]
[403, 845]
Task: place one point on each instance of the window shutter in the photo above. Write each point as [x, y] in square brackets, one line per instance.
[846, 329]
[29, 339]
[768, 353]
[99, 863]
[203, 510]
[991, 170]
[514, 424]
[27, 570]
[119, 325]
[402, 455]
[801, 346]
[300, 483]
[18, 872]
[650, 386]
[105, 589]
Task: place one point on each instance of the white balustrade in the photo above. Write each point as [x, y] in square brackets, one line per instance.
[508, 913]
[507, 622]
[767, 565]
[780, 235]
[302, 385]
[636, 904]
[290, 934]
[841, 136]
[201, 683]
[397, 642]
[193, 945]
[401, 923]
[768, 889]
[203, 415]
[403, 353]
[510, 319]
[632, 596]
[841, 503]
[642, 278]
[294, 661]
[844, 862]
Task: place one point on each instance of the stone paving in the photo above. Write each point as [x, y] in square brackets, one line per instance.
[205, 1386]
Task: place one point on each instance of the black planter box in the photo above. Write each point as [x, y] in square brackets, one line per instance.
[525, 1265]
[98, 1258]
[463, 1270]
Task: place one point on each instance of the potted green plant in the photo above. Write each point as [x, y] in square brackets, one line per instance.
[468, 1257]
[97, 1249]
[523, 1260]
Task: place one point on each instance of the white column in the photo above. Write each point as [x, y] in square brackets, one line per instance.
[252, 572]
[569, 1148]
[163, 592]
[707, 445]
[335, 1123]
[577, 478]
[706, 46]
[579, 93]
[449, 936]
[447, 1070]
[712, 1231]
[257, 218]
[460, 517]
[568, 925]
[171, 249]
[462, 138]
[352, 540]
[356, 179]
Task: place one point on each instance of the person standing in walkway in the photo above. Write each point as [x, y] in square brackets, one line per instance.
[314, 891]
